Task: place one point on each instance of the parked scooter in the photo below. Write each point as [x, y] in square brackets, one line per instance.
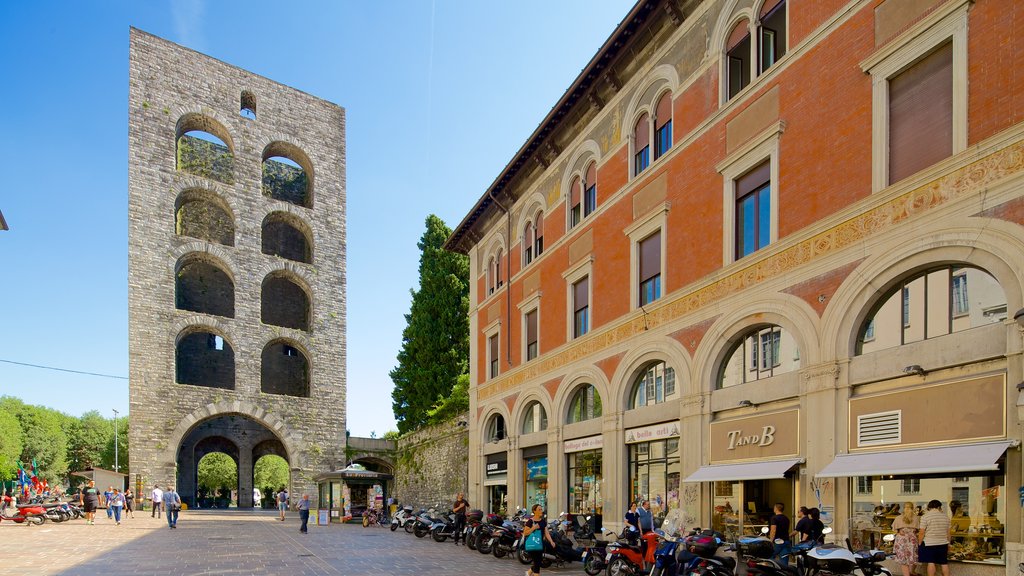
[626, 556]
[424, 523]
[30, 514]
[400, 517]
[705, 544]
[443, 528]
[595, 547]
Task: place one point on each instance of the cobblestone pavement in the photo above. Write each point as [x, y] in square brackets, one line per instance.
[236, 542]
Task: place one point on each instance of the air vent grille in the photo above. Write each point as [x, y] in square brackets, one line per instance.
[880, 428]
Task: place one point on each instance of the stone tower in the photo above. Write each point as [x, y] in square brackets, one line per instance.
[236, 270]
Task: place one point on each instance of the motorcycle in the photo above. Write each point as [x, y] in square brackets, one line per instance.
[473, 521]
[443, 528]
[705, 544]
[410, 521]
[484, 533]
[400, 517]
[424, 523]
[626, 556]
[594, 547]
[671, 557]
[30, 514]
[506, 539]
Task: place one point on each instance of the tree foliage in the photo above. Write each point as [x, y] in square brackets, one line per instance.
[270, 471]
[87, 437]
[218, 471]
[456, 403]
[10, 444]
[43, 437]
[435, 342]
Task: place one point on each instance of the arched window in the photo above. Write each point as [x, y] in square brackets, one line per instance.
[538, 241]
[771, 33]
[933, 303]
[247, 109]
[663, 125]
[284, 303]
[288, 237]
[203, 148]
[287, 174]
[284, 370]
[575, 202]
[765, 351]
[737, 59]
[590, 189]
[654, 384]
[535, 418]
[585, 404]
[641, 144]
[202, 286]
[496, 428]
[203, 358]
[528, 237]
[201, 214]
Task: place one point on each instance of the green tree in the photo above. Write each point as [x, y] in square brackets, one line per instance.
[218, 471]
[270, 471]
[87, 437]
[435, 342]
[456, 403]
[43, 438]
[10, 444]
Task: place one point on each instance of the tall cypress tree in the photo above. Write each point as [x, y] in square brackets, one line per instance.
[435, 342]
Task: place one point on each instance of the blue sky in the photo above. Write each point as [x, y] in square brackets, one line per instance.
[439, 96]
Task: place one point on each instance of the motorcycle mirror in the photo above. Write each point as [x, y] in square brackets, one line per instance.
[827, 530]
[764, 530]
[888, 538]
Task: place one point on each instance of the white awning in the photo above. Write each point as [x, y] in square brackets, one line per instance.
[744, 471]
[960, 458]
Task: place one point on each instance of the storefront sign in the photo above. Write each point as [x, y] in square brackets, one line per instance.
[497, 467]
[764, 436]
[656, 432]
[581, 444]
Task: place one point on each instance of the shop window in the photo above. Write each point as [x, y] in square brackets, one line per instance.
[585, 404]
[737, 59]
[742, 508]
[535, 418]
[761, 353]
[585, 482]
[641, 144]
[496, 428]
[581, 307]
[654, 475]
[654, 385]
[650, 269]
[930, 304]
[771, 33]
[535, 478]
[204, 359]
[976, 502]
[590, 188]
[663, 126]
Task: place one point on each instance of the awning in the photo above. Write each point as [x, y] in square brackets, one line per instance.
[960, 458]
[745, 471]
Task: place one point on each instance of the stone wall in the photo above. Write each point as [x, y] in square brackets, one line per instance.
[432, 465]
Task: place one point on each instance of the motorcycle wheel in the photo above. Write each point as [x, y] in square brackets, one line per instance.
[420, 532]
[593, 565]
[471, 539]
[524, 556]
[409, 527]
[485, 544]
[619, 567]
[394, 526]
[35, 520]
[499, 551]
[438, 534]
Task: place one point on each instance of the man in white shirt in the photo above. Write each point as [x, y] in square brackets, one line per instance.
[257, 498]
[158, 497]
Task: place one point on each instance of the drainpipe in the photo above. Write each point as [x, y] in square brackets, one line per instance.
[508, 271]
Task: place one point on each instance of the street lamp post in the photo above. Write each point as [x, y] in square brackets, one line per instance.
[115, 442]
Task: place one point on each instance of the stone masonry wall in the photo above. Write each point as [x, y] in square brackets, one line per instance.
[172, 89]
[432, 465]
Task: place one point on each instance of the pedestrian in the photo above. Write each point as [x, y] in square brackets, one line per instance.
[116, 503]
[803, 523]
[89, 499]
[257, 498]
[106, 499]
[172, 504]
[779, 529]
[282, 502]
[645, 517]
[905, 545]
[129, 503]
[157, 497]
[632, 518]
[817, 533]
[933, 533]
[304, 513]
[459, 508]
[535, 546]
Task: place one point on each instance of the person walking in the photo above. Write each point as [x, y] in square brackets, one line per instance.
[129, 503]
[803, 523]
[534, 523]
[157, 498]
[779, 529]
[459, 508]
[172, 504]
[933, 533]
[106, 499]
[817, 533]
[282, 502]
[116, 503]
[304, 513]
[905, 546]
[89, 499]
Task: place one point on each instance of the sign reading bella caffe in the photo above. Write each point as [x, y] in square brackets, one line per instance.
[759, 436]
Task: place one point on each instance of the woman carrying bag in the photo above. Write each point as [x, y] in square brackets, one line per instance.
[535, 532]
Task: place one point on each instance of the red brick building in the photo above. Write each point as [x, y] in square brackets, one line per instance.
[763, 251]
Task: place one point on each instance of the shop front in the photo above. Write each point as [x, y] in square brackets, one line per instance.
[496, 483]
[535, 476]
[584, 460]
[944, 442]
[347, 493]
[753, 467]
[654, 467]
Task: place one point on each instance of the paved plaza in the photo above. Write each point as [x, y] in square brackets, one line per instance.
[236, 542]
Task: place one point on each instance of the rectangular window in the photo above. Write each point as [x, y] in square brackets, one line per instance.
[531, 335]
[642, 159]
[585, 480]
[492, 355]
[528, 254]
[590, 200]
[663, 139]
[906, 306]
[655, 474]
[961, 305]
[581, 307]
[772, 40]
[770, 342]
[910, 486]
[753, 210]
[650, 268]
[575, 211]
[921, 114]
[738, 59]
[865, 485]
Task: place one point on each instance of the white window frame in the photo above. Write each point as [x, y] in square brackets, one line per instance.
[949, 22]
[655, 220]
[530, 304]
[578, 271]
[492, 329]
[765, 146]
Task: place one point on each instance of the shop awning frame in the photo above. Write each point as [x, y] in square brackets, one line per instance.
[976, 457]
[764, 470]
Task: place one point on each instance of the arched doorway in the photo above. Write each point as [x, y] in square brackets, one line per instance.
[244, 440]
